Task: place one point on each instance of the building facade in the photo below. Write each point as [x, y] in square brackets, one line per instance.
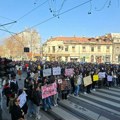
[82, 49]
[115, 37]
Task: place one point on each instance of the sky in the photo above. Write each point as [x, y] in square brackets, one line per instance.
[54, 18]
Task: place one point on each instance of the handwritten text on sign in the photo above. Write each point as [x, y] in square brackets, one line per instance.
[46, 72]
[56, 71]
[49, 90]
[69, 72]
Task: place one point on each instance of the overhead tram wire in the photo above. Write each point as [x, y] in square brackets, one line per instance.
[27, 13]
[31, 11]
[15, 38]
[100, 9]
[7, 23]
[7, 31]
[55, 16]
[61, 13]
[6, 18]
[11, 33]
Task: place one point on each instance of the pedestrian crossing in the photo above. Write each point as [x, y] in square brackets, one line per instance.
[102, 104]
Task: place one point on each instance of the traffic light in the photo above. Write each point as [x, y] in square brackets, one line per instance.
[26, 49]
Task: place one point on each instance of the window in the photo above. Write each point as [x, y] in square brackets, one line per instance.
[66, 48]
[73, 48]
[117, 49]
[84, 49]
[107, 48]
[66, 58]
[99, 49]
[53, 48]
[48, 49]
[60, 48]
[92, 49]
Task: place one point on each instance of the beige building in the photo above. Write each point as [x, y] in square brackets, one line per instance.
[115, 37]
[80, 49]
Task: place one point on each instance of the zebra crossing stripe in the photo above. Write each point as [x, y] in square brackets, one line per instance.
[109, 91]
[106, 95]
[83, 110]
[103, 100]
[64, 114]
[98, 105]
[115, 89]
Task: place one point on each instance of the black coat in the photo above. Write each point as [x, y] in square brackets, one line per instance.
[36, 97]
[14, 86]
[16, 112]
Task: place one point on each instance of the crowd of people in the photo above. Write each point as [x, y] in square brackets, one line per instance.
[48, 82]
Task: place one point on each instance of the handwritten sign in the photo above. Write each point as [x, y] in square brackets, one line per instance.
[95, 77]
[56, 71]
[46, 72]
[109, 78]
[69, 72]
[49, 90]
[22, 99]
[101, 75]
[87, 80]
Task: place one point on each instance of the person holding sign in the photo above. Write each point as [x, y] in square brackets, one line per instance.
[109, 79]
[87, 82]
[77, 83]
[16, 112]
[65, 87]
[95, 79]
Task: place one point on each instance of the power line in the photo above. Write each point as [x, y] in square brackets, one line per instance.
[8, 23]
[7, 31]
[103, 5]
[62, 13]
[31, 11]
[26, 13]
[57, 15]
[6, 18]
[11, 33]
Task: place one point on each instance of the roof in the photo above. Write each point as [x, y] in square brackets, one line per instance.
[100, 40]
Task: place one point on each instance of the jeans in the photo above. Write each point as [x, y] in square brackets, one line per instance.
[37, 110]
[31, 109]
[46, 103]
[77, 89]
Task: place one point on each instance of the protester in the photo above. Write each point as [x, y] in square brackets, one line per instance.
[7, 92]
[16, 112]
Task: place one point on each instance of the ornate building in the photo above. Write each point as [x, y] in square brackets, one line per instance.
[115, 37]
[82, 49]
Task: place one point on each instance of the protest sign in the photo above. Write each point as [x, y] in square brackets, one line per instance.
[69, 72]
[101, 75]
[56, 71]
[87, 80]
[49, 90]
[95, 77]
[109, 78]
[22, 99]
[46, 72]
